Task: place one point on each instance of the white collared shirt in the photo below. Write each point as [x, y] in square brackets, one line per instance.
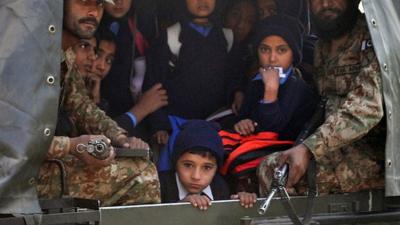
[183, 192]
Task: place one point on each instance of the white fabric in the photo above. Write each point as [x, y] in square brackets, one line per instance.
[183, 192]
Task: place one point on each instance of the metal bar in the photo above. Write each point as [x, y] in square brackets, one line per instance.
[71, 218]
[326, 219]
[69, 202]
[12, 221]
[230, 212]
[126, 152]
[360, 218]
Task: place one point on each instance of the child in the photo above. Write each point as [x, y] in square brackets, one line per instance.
[278, 103]
[200, 78]
[197, 155]
[122, 86]
[241, 16]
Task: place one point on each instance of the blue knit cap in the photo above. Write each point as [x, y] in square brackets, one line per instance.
[286, 27]
[198, 134]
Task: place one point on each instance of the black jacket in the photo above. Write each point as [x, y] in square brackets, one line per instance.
[288, 114]
[203, 79]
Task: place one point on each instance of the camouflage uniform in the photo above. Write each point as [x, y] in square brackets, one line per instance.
[86, 116]
[351, 81]
[124, 182]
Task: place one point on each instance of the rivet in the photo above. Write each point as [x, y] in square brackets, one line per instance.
[52, 29]
[385, 67]
[47, 132]
[369, 43]
[373, 21]
[390, 114]
[50, 79]
[32, 181]
[389, 163]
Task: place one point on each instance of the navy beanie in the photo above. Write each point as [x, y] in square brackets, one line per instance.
[286, 27]
[198, 134]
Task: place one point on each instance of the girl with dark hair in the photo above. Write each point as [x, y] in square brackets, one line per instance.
[277, 99]
[122, 86]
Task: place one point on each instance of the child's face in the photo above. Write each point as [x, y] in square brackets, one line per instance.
[200, 8]
[241, 19]
[85, 55]
[267, 8]
[195, 171]
[120, 8]
[105, 57]
[275, 51]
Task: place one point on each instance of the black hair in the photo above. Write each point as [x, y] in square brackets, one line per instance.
[344, 23]
[232, 3]
[215, 17]
[104, 34]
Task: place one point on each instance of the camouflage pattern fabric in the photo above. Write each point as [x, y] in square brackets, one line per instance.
[353, 170]
[85, 114]
[58, 148]
[124, 182]
[351, 81]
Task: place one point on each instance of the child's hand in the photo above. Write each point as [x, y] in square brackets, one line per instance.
[245, 127]
[161, 137]
[247, 200]
[270, 77]
[199, 201]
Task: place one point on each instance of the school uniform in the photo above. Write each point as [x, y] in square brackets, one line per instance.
[173, 191]
[198, 135]
[288, 114]
[199, 81]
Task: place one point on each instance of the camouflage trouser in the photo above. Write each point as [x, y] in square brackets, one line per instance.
[125, 182]
[349, 169]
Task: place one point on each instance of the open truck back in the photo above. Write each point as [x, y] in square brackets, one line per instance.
[31, 37]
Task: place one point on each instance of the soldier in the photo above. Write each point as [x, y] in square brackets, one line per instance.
[113, 182]
[348, 75]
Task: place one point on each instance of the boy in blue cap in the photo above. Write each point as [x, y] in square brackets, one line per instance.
[197, 155]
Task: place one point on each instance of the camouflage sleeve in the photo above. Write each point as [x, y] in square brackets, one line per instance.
[359, 113]
[59, 148]
[86, 115]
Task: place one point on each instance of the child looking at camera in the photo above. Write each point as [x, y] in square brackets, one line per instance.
[277, 99]
[198, 153]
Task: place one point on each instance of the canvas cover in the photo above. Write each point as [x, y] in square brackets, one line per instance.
[30, 51]
[384, 25]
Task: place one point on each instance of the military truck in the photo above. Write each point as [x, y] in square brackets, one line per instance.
[29, 66]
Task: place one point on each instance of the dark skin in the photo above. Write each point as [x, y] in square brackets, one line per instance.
[298, 157]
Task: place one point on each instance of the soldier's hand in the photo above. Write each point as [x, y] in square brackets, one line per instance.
[245, 127]
[131, 142]
[136, 143]
[161, 137]
[298, 159]
[246, 199]
[85, 157]
[201, 202]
